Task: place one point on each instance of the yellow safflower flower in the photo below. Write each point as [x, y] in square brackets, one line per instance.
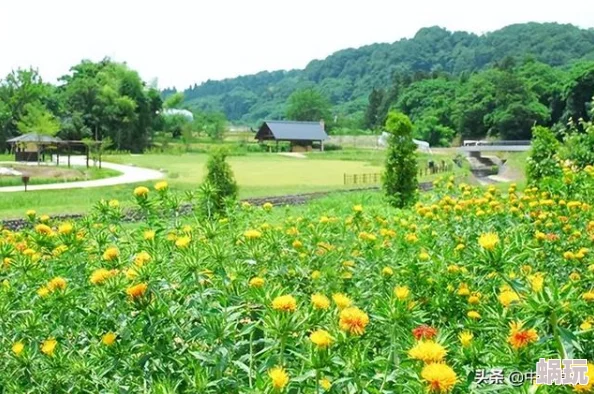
[109, 338]
[387, 271]
[43, 292]
[65, 228]
[183, 242]
[161, 186]
[257, 282]
[473, 315]
[48, 347]
[137, 291]
[149, 235]
[320, 301]
[100, 275]
[488, 241]
[321, 338]
[43, 229]
[353, 320]
[56, 283]
[141, 191]
[341, 300]
[17, 348]
[507, 297]
[401, 292]
[325, 383]
[440, 378]
[252, 234]
[285, 303]
[466, 338]
[111, 253]
[427, 351]
[588, 296]
[278, 377]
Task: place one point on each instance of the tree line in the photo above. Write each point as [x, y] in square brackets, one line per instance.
[502, 102]
[103, 100]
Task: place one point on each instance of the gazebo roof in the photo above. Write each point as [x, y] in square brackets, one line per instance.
[34, 137]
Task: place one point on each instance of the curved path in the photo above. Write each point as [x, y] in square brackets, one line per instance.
[129, 174]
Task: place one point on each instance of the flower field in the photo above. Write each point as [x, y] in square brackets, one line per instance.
[345, 295]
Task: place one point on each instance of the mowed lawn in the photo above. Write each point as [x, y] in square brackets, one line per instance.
[254, 171]
[256, 174]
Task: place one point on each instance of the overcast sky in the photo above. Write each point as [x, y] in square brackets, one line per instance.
[181, 42]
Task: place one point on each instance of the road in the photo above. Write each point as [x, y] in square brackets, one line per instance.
[130, 174]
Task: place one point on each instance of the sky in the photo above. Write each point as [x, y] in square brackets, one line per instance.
[182, 42]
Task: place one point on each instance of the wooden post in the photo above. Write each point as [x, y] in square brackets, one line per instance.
[69, 153]
[87, 156]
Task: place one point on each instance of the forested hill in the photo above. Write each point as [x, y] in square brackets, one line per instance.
[348, 76]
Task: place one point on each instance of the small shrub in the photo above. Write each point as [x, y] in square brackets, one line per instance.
[400, 176]
[219, 187]
[332, 147]
[542, 161]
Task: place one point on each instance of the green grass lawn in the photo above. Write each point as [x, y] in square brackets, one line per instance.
[257, 175]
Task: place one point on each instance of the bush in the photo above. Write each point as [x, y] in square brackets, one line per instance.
[578, 146]
[542, 161]
[332, 147]
[400, 176]
[219, 188]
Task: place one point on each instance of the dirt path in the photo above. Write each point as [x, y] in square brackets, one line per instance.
[130, 174]
[294, 155]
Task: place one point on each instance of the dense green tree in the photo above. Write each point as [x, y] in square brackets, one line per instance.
[578, 92]
[400, 173]
[112, 101]
[308, 105]
[174, 100]
[372, 114]
[37, 119]
[430, 104]
[20, 90]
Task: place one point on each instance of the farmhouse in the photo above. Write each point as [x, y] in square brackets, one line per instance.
[301, 135]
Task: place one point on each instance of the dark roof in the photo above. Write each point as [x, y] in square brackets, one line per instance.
[292, 130]
[34, 137]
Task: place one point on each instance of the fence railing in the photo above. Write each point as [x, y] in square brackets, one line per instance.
[375, 178]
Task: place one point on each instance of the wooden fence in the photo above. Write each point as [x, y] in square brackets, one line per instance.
[375, 178]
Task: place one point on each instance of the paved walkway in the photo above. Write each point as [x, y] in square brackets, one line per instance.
[129, 174]
[294, 155]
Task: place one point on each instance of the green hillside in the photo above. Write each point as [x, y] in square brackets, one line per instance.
[348, 76]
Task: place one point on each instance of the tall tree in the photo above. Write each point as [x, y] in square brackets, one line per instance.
[112, 101]
[308, 105]
[20, 89]
[38, 119]
[372, 114]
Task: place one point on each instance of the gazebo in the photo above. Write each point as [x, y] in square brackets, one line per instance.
[32, 147]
